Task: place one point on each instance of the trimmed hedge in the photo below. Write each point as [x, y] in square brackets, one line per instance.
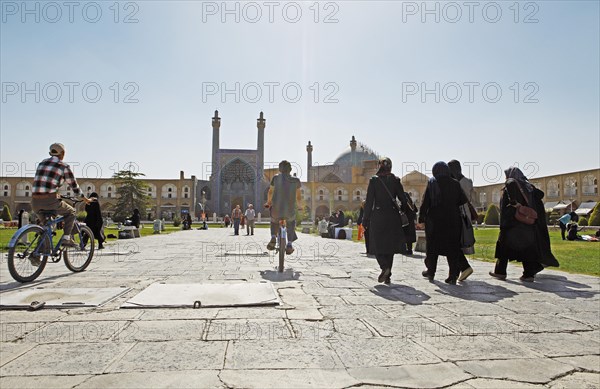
[492, 216]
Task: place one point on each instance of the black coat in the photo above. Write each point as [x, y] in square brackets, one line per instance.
[443, 226]
[382, 218]
[410, 232]
[534, 240]
[93, 218]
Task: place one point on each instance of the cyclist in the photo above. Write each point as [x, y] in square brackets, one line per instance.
[49, 176]
[283, 198]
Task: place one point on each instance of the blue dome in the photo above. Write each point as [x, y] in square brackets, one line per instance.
[362, 153]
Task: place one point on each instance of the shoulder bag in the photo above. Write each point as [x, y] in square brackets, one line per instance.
[524, 213]
[397, 205]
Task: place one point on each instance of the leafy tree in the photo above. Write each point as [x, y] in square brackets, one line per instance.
[131, 194]
[6, 216]
[595, 217]
[492, 216]
[583, 221]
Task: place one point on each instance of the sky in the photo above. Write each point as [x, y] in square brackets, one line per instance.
[492, 84]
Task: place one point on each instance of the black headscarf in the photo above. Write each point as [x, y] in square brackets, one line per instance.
[455, 170]
[385, 167]
[439, 170]
[516, 174]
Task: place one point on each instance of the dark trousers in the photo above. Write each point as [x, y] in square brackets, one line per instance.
[530, 268]
[456, 263]
[55, 204]
[236, 226]
[367, 240]
[386, 261]
[563, 229]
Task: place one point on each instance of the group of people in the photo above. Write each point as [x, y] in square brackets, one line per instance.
[446, 215]
[387, 216]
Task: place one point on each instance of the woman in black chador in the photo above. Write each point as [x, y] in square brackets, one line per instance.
[441, 215]
[382, 218]
[517, 241]
[93, 219]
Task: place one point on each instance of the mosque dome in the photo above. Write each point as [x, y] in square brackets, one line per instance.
[362, 153]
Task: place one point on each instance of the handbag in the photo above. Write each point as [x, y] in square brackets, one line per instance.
[523, 213]
[397, 205]
[473, 211]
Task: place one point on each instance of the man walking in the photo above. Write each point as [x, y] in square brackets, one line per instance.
[250, 214]
[236, 215]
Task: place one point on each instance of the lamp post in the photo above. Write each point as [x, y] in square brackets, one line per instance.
[572, 185]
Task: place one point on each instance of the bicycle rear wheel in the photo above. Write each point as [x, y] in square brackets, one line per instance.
[282, 247]
[78, 258]
[28, 254]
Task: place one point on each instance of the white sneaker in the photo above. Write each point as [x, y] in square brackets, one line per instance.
[67, 241]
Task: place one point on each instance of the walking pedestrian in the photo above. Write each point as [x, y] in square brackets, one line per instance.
[383, 218]
[466, 185]
[236, 215]
[250, 215]
[93, 219]
[440, 215]
[526, 243]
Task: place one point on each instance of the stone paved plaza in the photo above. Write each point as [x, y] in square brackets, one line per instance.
[336, 326]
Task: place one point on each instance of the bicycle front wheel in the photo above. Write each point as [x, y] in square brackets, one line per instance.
[28, 253]
[79, 258]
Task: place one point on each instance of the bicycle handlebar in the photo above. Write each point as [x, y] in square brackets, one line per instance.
[71, 198]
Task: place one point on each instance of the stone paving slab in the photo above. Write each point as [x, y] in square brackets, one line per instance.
[175, 355]
[163, 379]
[65, 359]
[303, 353]
[411, 376]
[292, 379]
[336, 328]
[523, 370]
[43, 382]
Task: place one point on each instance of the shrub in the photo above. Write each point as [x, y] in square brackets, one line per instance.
[176, 221]
[583, 221]
[6, 216]
[595, 217]
[492, 216]
[480, 217]
[81, 216]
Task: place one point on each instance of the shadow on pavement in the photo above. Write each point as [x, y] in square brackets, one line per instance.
[559, 285]
[403, 293]
[476, 291]
[275, 276]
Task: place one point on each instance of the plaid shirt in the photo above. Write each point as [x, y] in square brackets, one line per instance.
[50, 175]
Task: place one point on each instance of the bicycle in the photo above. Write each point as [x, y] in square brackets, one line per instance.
[32, 245]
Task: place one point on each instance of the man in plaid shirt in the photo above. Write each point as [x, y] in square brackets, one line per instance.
[49, 176]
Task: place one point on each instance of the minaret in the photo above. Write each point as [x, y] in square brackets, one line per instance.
[309, 150]
[260, 160]
[353, 150]
[216, 125]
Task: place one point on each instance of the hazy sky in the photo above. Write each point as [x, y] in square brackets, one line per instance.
[515, 82]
